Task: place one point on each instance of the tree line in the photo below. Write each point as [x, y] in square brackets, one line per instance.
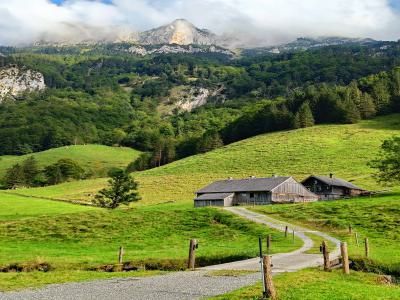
[29, 174]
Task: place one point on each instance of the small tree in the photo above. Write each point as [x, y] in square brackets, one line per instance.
[367, 106]
[142, 163]
[388, 162]
[14, 177]
[31, 171]
[210, 141]
[63, 170]
[122, 190]
[304, 117]
[351, 114]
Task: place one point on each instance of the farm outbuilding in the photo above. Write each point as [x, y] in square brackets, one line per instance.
[331, 188]
[253, 191]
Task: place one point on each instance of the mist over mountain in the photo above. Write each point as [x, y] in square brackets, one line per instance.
[253, 22]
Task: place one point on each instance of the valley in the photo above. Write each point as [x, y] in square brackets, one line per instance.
[105, 138]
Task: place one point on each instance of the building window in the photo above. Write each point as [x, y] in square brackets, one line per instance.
[251, 195]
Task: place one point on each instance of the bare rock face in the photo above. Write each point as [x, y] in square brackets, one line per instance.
[180, 32]
[15, 81]
[166, 49]
[194, 97]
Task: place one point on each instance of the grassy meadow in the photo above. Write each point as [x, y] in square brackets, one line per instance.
[314, 284]
[377, 218]
[74, 238]
[97, 159]
[343, 150]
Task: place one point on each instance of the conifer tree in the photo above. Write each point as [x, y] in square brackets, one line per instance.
[122, 190]
[14, 177]
[304, 117]
[351, 114]
[31, 170]
[367, 107]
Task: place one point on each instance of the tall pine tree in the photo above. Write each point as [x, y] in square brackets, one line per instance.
[367, 107]
[304, 117]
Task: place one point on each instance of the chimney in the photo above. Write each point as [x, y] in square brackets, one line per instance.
[331, 175]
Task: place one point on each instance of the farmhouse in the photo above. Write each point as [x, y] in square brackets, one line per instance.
[253, 191]
[330, 188]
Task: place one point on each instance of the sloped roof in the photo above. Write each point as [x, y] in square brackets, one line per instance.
[214, 196]
[243, 185]
[335, 182]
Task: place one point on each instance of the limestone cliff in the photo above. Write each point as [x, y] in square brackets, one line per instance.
[15, 81]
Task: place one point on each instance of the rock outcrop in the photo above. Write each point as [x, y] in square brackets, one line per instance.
[15, 81]
[167, 49]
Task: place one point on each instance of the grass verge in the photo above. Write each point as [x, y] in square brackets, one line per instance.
[313, 284]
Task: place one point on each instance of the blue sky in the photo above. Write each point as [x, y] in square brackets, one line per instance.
[61, 1]
[395, 3]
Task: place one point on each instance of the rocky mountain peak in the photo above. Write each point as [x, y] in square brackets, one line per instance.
[180, 32]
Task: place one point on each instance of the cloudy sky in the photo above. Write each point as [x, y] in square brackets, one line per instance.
[267, 21]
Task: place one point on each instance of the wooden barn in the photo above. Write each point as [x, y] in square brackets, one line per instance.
[331, 188]
[253, 191]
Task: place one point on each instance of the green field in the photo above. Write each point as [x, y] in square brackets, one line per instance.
[94, 158]
[72, 237]
[343, 150]
[314, 284]
[377, 218]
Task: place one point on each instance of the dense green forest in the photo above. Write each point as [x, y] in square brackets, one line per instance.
[97, 97]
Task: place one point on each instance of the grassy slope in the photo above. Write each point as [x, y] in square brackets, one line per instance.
[341, 149]
[376, 218]
[96, 158]
[315, 284]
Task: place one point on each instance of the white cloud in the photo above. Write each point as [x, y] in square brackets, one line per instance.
[269, 21]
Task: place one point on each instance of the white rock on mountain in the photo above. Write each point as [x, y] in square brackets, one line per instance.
[14, 81]
[180, 32]
[165, 49]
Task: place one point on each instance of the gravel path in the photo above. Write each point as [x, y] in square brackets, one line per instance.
[198, 284]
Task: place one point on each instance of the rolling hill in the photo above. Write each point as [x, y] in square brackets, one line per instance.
[95, 158]
[340, 149]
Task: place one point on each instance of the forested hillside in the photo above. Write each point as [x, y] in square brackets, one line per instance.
[100, 95]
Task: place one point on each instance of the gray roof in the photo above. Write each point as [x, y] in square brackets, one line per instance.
[243, 185]
[214, 196]
[335, 182]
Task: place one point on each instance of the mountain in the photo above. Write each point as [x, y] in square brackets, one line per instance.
[181, 36]
[305, 43]
[180, 32]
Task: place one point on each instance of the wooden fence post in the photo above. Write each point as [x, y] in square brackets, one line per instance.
[325, 252]
[192, 254]
[350, 229]
[356, 236]
[345, 258]
[286, 231]
[120, 265]
[120, 254]
[270, 291]
[269, 241]
[366, 248]
[293, 236]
